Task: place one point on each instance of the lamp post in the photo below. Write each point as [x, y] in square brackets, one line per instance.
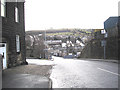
[103, 42]
[45, 44]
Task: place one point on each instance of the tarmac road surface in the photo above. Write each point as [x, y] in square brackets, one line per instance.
[73, 73]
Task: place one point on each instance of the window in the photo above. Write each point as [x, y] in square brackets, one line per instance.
[3, 8]
[17, 43]
[16, 15]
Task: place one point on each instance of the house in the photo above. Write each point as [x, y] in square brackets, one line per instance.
[12, 30]
[97, 34]
[111, 27]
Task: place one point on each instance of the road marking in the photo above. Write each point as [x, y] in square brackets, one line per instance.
[109, 71]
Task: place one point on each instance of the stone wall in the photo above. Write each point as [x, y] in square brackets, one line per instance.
[94, 49]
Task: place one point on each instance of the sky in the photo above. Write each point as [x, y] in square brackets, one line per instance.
[58, 14]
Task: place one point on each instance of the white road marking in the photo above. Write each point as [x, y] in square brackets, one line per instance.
[109, 71]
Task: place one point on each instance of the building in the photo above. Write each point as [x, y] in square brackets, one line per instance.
[97, 34]
[12, 44]
[111, 27]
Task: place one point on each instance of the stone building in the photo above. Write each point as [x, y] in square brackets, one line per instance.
[111, 26]
[12, 30]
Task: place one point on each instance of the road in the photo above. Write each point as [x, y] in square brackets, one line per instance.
[73, 73]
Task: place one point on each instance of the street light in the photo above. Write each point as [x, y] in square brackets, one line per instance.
[103, 42]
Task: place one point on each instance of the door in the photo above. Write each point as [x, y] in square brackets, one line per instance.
[3, 52]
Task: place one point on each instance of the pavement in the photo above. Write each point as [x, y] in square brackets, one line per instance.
[25, 81]
[27, 76]
[102, 60]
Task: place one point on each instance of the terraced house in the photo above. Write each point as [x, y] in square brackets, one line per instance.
[111, 26]
[12, 44]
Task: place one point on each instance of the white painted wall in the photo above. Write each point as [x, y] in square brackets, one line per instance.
[3, 50]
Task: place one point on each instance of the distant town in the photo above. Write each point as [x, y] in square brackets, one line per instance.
[69, 43]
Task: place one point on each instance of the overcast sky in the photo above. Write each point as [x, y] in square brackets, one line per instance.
[85, 14]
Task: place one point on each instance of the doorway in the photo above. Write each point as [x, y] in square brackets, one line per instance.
[3, 53]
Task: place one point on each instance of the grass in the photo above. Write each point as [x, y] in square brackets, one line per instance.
[77, 33]
[61, 33]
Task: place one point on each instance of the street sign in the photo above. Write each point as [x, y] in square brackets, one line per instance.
[103, 31]
[103, 43]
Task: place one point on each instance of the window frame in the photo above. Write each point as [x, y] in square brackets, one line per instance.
[3, 8]
[16, 14]
[17, 43]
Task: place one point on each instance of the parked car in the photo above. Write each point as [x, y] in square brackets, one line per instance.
[68, 56]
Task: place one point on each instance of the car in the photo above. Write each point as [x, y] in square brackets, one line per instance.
[68, 56]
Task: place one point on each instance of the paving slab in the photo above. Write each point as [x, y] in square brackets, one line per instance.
[25, 81]
[27, 76]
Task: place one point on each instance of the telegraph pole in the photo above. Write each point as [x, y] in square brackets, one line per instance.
[45, 44]
[103, 42]
[105, 50]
